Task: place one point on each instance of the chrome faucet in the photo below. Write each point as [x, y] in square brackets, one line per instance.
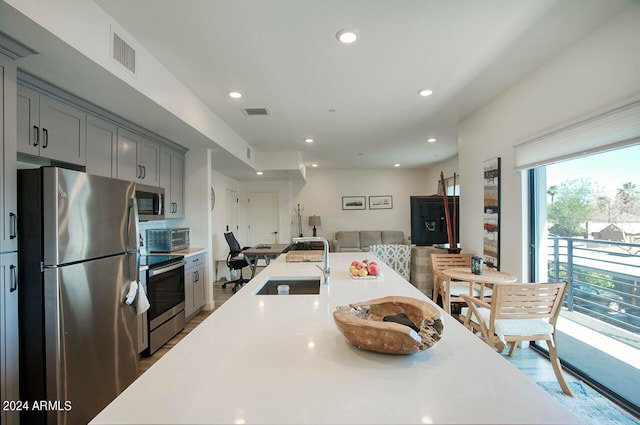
[325, 251]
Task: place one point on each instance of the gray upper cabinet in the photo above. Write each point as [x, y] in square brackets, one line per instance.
[50, 128]
[8, 177]
[102, 147]
[149, 158]
[138, 158]
[172, 180]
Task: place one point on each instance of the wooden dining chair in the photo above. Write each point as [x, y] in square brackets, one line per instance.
[450, 290]
[519, 312]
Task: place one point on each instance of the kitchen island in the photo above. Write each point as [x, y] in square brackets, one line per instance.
[280, 359]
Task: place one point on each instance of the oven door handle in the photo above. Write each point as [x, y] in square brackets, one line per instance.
[168, 268]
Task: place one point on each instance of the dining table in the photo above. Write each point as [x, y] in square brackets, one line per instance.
[489, 277]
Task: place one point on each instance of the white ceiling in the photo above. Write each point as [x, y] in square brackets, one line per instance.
[359, 102]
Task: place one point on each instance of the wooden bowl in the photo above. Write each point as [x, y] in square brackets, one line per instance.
[392, 325]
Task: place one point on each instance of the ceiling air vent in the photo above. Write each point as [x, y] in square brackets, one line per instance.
[251, 112]
[123, 53]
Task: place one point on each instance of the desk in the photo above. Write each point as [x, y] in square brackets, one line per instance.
[488, 277]
[266, 252]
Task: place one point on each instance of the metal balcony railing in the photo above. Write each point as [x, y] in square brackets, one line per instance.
[603, 276]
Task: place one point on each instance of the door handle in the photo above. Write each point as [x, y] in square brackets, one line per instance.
[36, 135]
[13, 277]
[13, 220]
[45, 138]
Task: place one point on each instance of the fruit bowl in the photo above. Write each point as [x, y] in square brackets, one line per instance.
[364, 269]
[391, 325]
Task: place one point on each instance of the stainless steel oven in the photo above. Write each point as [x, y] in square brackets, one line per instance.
[165, 290]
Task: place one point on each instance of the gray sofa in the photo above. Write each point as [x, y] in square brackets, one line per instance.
[357, 241]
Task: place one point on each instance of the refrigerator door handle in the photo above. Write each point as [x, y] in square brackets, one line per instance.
[133, 213]
[132, 221]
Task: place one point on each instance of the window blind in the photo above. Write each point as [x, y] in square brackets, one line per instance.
[607, 130]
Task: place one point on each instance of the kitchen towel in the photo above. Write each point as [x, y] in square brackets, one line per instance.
[143, 302]
[136, 291]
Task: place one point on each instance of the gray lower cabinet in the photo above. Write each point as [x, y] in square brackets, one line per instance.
[102, 147]
[194, 284]
[50, 128]
[143, 325]
[172, 180]
[9, 338]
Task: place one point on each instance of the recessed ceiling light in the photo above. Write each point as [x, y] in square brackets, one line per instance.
[314, 165]
[259, 173]
[396, 165]
[347, 36]
[425, 92]
[431, 140]
[308, 140]
[235, 95]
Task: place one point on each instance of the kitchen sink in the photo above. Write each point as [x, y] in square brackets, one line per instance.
[297, 286]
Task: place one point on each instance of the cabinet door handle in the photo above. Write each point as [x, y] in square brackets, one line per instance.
[144, 172]
[13, 220]
[13, 277]
[45, 138]
[139, 171]
[198, 275]
[36, 135]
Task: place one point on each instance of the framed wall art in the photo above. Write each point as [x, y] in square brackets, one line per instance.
[491, 238]
[383, 202]
[354, 202]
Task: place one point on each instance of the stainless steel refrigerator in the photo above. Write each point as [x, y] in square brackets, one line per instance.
[77, 255]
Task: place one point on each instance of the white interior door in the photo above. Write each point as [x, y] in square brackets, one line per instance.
[263, 217]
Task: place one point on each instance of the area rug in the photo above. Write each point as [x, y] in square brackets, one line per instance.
[589, 405]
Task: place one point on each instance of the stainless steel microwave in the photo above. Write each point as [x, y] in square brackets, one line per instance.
[167, 240]
[150, 201]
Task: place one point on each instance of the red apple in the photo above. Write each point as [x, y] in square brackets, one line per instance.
[373, 269]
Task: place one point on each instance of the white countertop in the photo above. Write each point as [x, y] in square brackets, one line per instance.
[281, 359]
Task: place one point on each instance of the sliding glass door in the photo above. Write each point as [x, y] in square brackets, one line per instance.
[585, 229]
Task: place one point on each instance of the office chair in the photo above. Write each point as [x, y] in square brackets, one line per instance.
[235, 261]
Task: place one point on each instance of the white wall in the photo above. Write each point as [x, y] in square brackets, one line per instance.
[197, 177]
[322, 195]
[220, 184]
[601, 70]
